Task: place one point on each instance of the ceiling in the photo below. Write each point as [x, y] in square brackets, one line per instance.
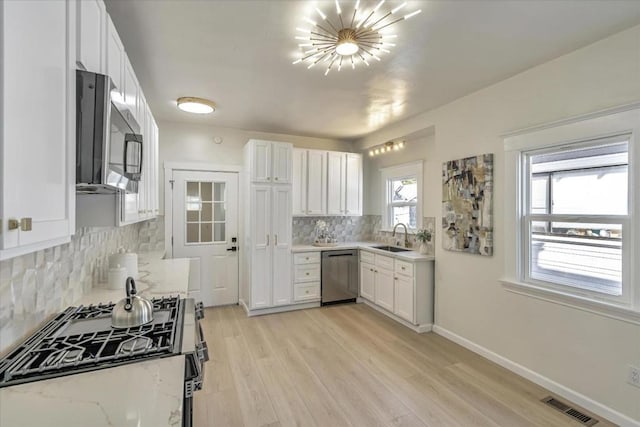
[239, 54]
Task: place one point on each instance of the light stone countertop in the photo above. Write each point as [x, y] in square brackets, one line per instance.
[407, 256]
[143, 394]
[148, 393]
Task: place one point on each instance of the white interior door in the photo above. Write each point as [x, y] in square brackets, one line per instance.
[205, 226]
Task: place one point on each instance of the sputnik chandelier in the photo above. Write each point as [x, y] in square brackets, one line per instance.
[355, 38]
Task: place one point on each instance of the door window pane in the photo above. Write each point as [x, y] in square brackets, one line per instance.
[220, 232]
[192, 233]
[205, 212]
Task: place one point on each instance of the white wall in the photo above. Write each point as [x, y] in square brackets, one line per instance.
[585, 352]
[181, 142]
[414, 150]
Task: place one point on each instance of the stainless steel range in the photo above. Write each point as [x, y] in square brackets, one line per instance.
[81, 339]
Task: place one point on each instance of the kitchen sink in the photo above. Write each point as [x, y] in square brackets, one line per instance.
[392, 249]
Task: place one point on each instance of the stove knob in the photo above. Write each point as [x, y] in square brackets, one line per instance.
[199, 310]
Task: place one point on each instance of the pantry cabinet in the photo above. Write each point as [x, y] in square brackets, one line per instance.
[271, 162]
[402, 289]
[37, 139]
[268, 222]
[91, 17]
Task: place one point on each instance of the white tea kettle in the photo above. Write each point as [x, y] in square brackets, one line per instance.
[133, 310]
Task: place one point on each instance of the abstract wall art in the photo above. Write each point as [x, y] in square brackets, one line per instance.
[467, 198]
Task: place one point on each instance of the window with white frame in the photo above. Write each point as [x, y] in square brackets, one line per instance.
[576, 211]
[402, 196]
[570, 203]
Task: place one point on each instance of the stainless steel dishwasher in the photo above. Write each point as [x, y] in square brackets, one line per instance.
[339, 280]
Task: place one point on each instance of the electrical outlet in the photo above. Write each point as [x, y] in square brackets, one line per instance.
[633, 377]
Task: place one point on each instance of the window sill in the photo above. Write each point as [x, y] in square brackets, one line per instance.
[612, 311]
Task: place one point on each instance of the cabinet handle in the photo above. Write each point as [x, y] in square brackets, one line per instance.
[267, 240]
[25, 224]
[395, 278]
[13, 224]
[275, 179]
[307, 273]
[402, 268]
[371, 269]
[276, 240]
[307, 258]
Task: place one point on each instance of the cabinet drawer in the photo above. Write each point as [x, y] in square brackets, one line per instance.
[367, 257]
[384, 262]
[306, 258]
[404, 268]
[306, 273]
[307, 291]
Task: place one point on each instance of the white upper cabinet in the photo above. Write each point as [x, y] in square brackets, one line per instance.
[91, 20]
[37, 139]
[309, 182]
[115, 58]
[299, 182]
[317, 182]
[344, 183]
[271, 162]
[131, 89]
[353, 184]
[336, 183]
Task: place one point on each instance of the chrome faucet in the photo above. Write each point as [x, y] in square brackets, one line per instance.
[406, 235]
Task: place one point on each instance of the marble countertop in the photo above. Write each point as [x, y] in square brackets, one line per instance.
[156, 277]
[139, 394]
[369, 246]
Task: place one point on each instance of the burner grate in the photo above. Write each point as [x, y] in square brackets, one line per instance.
[82, 339]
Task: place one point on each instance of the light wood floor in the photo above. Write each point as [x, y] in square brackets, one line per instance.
[350, 365]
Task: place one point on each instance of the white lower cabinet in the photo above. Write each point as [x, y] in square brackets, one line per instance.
[306, 277]
[402, 289]
[384, 288]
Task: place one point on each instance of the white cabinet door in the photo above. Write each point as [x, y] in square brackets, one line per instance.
[156, 165]
[404, 298]
[367, 281]
[261, 240]
[317, 182]
[261, 161]
[335, 183]
[130, 91]
[299, 182]
[115, 59]
[384, 288]
[37, 148]
[281, 232]
[353, 185]
[90, 38]
[143, 185]
[281, 168]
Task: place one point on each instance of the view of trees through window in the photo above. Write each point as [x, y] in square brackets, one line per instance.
[403, 203]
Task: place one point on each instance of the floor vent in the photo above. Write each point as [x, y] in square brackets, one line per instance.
[569, 411]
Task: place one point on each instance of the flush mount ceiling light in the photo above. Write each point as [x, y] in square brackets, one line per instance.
[195, 105]
[386, 148]
[355, 39]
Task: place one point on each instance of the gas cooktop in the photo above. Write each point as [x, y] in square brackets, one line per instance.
[81, 339]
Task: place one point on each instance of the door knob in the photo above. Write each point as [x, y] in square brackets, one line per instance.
[13, 224]
[25, 224]
[232, 249]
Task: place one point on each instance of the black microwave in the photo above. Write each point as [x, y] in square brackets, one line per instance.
[108, 140]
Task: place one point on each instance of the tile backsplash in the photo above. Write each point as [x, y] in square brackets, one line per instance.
[36, 285]
[354, 228]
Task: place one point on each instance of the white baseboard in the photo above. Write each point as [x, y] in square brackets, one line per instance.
[417, 328]
[556, 388]
[280, 309]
